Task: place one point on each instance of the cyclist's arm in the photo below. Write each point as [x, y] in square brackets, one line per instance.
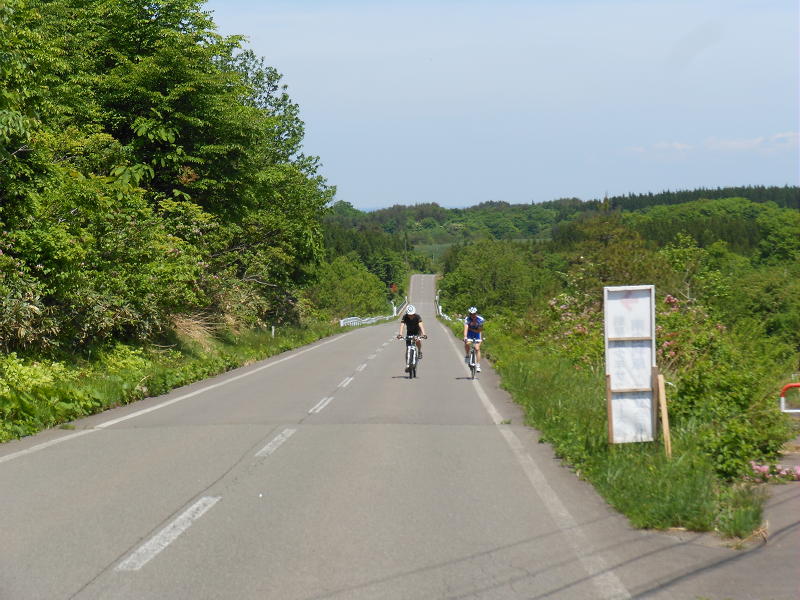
[465, 331]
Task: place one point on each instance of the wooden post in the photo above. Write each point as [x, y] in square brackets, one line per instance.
[662, 402]
[610, 414]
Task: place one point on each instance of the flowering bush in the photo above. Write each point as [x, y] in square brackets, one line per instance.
[773, 473]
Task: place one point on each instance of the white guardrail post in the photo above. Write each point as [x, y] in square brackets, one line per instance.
[439, 310]
[356, 321]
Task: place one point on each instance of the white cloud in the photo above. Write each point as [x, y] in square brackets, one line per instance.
[778, 142]
[671, 147]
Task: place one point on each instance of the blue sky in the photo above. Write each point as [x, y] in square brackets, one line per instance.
[526, 101]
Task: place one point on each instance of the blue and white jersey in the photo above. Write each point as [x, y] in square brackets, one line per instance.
[474, 326]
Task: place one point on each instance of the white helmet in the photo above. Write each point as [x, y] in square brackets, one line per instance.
[411, 309]
[472, 310]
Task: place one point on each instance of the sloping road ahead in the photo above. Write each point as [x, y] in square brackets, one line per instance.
[325, 473]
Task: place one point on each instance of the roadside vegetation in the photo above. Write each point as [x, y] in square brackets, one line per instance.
[728, 337]
[154, 191]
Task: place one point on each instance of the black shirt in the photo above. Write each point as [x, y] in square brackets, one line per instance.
[412, 323]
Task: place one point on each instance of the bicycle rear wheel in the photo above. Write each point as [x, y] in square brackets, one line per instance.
[472, 365]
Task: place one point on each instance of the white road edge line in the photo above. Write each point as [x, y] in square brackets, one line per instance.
[44, 445]
[607, 583]
[320, 405]
[345, 382]
[166, 536]
[276, 442]
[361, 367]
[139, 413]
[216, 385]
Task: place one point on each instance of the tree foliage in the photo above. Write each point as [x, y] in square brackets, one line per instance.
[149, 167]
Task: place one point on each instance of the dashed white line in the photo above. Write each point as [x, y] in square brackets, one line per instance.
[320, 405]
[276, 442]
[166, 536]
[371, 356]
[345, 382]
[360, 368]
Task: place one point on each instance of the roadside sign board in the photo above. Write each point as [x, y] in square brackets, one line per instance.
[630, 344]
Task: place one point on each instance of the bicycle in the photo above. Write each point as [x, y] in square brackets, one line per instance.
[411, 354]
[473, 362]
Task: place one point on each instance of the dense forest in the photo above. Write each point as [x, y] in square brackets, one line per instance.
[431, 224]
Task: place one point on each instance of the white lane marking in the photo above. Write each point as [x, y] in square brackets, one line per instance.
[215, 385]
[371, 356]
[345, 382]
[604, 579]
[139, 413]
[276, 442]
[320, 405]
[44, 445]
[385, 344]
[360, 368]
[166, 536]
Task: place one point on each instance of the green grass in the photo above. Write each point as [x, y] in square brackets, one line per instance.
[742, 512]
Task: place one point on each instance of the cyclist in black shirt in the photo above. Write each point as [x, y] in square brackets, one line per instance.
[412, 323]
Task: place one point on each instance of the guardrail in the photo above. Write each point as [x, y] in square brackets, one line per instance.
[357, 321]
[783, 398]
[439, 310]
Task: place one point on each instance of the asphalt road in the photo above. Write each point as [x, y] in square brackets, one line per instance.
[325, 473]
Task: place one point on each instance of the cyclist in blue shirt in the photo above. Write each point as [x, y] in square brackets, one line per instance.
[473, 330]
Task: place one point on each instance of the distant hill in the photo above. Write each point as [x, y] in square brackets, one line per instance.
[430, 223]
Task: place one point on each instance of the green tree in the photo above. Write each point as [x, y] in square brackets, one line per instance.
[345, 288]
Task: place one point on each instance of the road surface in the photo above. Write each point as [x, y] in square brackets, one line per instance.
[325, 473]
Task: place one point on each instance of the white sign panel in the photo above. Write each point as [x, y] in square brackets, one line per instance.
[629, 311]
[630, 365]
[630, 358]
[632, 417]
